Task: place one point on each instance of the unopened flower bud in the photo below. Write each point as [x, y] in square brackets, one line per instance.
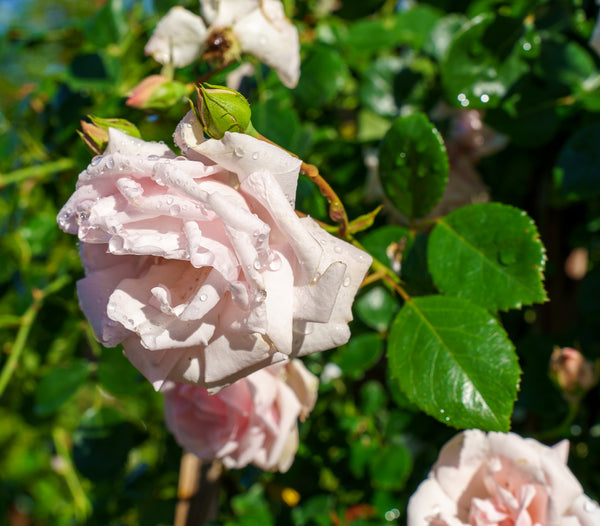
[157, 91]
[573, 374]
[221, 110]
[95, 134]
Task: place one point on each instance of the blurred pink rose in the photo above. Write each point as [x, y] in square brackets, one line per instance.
[144, 90]
[499, 479]
[254, 420]
[573, 374]
[199, 266]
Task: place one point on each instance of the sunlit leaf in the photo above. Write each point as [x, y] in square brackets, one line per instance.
[455, 362]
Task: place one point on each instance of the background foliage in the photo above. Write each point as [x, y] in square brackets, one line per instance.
[81, 433]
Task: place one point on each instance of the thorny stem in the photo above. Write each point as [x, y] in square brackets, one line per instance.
[25, 327]
[36, 172]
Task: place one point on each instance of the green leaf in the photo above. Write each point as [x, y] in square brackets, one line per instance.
[483, 61]
[414, 271]
[117, 375]
[413, 165]
[372, 397]
[376, 308]
[377, 241]
[577, 172]
[411, 27]
[324, 74]
[454, 360]
[102, 441]
[60, 384]
[489, 253]
[280, 122]
[359, 354]
[391, 467]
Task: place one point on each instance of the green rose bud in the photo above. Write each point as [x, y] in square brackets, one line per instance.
[221, 109]
[95, 134]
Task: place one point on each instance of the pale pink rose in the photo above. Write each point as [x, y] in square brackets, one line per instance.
[501, 479]
[201, 268]
[252, 421]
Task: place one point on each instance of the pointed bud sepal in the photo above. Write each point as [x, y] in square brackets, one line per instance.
[95, 134]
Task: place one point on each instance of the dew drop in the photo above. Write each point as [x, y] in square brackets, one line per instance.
[346, 282]
[110, 163]
[180, 158]
[169, 200]
[239, 152]
[275, 264]
[337, 249]
[96, 160]
[175, 210]
[83, 216]
[130, 322]
[442, 411]
[590, 506]
[110, 308]
[203, 297]
[261, 238]
[257, 264]
[316, 278]
[255, 156]
[153, 157]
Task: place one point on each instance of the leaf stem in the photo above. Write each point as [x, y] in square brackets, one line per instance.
[26, 323]
[83, 507]
[39, 171]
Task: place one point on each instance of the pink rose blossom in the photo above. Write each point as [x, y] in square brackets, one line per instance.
[199, 266]
[572, 372]
[499, 479]
[254, 420]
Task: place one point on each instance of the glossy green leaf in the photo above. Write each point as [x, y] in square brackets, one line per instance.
[483, 61]
[102, 442]
[60, 384]
[454, 360]
[376, 308]
[577, 172]
[377, 89]
[488, 253]
[413, 165]
[359, 354]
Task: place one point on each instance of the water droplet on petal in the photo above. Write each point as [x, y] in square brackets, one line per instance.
[170, 200]
[337, 249]
[239, 152]
[257, 264]
[110, 162]
[96, 160]
[203, 297]
[346, 282]
[153, 157]
[590, 506]
[255, 155]
[275, 264]
[175, 210]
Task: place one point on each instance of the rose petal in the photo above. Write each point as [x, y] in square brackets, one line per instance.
[178, 38]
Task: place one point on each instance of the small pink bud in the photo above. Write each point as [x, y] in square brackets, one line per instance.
[573, 374]
[144, 91]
